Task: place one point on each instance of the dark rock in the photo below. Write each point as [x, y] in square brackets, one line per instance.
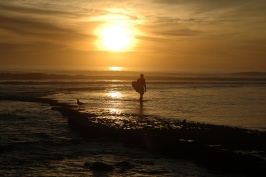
[100, 166]
[87, 164]
[124, 165]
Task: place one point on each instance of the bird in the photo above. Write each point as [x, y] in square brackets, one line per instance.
[79, 103]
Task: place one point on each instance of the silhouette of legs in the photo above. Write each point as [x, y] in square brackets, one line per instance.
[140, 108]
[141, 98]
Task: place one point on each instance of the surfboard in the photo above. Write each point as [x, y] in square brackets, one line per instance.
[137, 87]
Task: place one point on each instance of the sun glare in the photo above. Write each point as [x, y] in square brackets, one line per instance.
[115, 37]
[115, 68]
[114, 94]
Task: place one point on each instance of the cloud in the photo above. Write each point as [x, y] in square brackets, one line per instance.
[38, 29]
[18, 8]
[211, 11]
[190, 29]
[181, 32]
[31, 25]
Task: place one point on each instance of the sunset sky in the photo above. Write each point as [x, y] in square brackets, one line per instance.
[200, 35]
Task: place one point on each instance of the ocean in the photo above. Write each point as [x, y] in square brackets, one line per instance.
[37, 141]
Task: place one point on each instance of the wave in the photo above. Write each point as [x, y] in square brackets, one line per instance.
[125, 77]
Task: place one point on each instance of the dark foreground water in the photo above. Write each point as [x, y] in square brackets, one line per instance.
[36, 140]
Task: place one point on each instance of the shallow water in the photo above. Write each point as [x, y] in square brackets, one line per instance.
[36, 141]
[233, 100]
[233, 105]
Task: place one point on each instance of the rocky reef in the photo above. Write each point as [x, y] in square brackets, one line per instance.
[221, 147]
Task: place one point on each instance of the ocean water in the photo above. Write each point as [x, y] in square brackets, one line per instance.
[225, 99]
[36, 141]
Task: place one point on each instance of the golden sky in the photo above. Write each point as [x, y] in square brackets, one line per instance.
[192, 35]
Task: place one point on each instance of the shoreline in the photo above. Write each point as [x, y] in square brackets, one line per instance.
[223, 148]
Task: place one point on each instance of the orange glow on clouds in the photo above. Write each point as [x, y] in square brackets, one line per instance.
[161, 34]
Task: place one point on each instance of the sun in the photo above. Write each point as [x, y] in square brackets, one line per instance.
[114, 37]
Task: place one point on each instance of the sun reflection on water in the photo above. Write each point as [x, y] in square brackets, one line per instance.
[114, 94]
[113, 107]
[115, 68]
[115, 111]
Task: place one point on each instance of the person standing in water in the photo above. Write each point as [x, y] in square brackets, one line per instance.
[142, 83]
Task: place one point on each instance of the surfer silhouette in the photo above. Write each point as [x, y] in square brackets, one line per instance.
[140, 86]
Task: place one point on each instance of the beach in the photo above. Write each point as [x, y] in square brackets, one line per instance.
[44, 129]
